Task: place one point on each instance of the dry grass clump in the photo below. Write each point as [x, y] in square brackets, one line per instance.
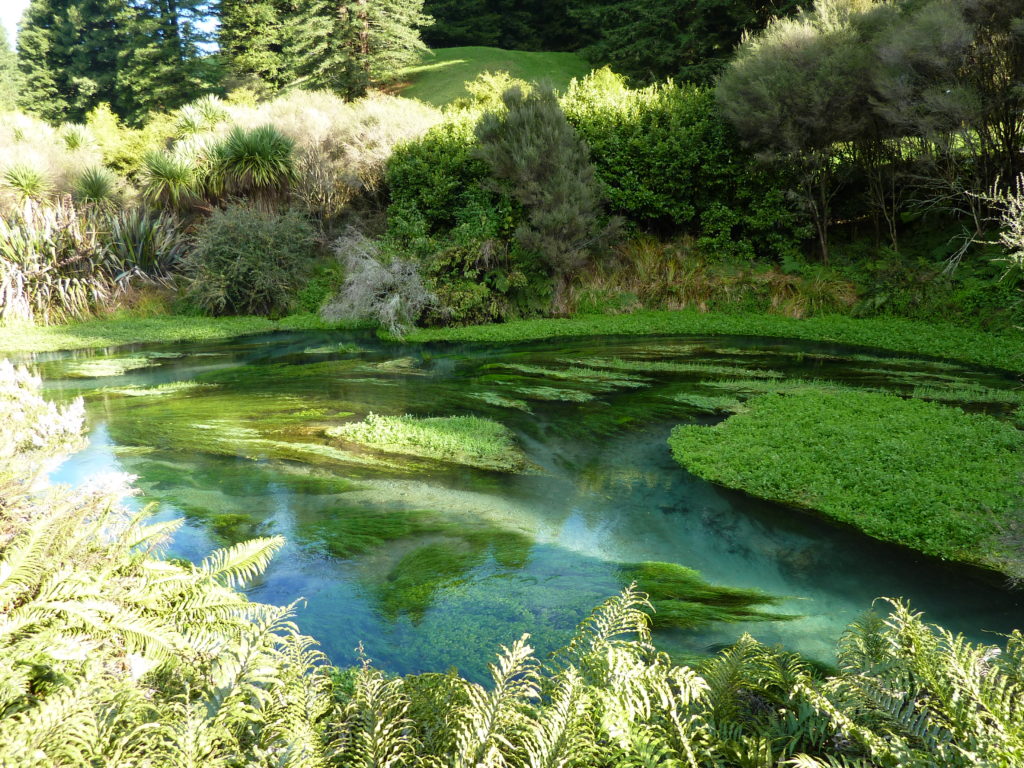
[651, 274]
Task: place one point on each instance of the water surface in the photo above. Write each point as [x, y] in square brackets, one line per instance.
[237, 446]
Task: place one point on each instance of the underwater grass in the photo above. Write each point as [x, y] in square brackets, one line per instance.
[492, 398]
[684, 600]
[669, 367]
[916, 473]
[469, 440]
[1000, 350]
[970, 394]
[576, 373]
[709, 403]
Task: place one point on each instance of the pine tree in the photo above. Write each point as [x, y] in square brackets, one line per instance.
[9, 75]
[350, 45]
[40, 61]
[164, 62]
[254, 38]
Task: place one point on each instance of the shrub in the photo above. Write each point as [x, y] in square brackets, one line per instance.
[389, 292]
[246, 260]
[252, 162]
[54, 264]
[27, 183]
[539, 159]
[670, 163]
[169, 179]
[95, 185]
[152, 243]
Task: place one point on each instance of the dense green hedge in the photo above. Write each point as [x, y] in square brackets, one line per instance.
[927, 476]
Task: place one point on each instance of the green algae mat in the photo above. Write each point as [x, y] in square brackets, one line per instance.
[440, 499]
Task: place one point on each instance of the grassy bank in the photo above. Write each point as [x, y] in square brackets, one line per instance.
[442, 75]
[1004, 350]
[923, 475]
[120, 330]
[913, 336]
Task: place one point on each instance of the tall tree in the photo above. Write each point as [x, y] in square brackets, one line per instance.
[691, 40]
[254, 38]
[9, 75]
[350, 45]
[166, 61]
[532, 25]
[41, 61]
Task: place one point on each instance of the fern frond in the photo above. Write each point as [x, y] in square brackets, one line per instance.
[239, 564]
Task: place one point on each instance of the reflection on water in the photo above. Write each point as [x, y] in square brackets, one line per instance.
[432, 564]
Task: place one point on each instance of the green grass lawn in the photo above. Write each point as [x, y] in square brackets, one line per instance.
[441, 77]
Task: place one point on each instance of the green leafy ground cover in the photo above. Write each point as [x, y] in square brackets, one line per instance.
[916, 337]
[915, 473]
[468, 440]
[442, 75]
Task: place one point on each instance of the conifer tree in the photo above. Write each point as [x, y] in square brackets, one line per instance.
[9, 75]
[41, 61]
[255, 40]
[164, 62]
[350, 45]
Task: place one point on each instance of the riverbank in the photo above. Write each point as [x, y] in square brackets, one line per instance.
[998, 350]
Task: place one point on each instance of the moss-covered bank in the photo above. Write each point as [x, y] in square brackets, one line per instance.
[919, 474]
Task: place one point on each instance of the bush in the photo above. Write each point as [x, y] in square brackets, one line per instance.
[389, 292]
[670, 163]
[246, 260]
[54, 264]
[539, 160]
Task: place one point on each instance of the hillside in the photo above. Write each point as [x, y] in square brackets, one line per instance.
[441, 76]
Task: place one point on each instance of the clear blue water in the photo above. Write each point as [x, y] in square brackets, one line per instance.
[241, 451]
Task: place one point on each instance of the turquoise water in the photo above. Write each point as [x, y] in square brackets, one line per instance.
[237, 445]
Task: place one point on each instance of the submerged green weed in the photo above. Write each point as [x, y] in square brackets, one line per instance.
[920, 474]
[710, 403]
[655, 366]
[682, 599]
[492, 398]
[970, 394]
[469, 440]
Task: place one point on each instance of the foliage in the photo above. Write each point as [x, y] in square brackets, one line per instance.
[136, 57]
[926, 338]
[125, 328]
[246, 260]
[54, 265]
[10, 77]
[389, 292]
[923, 475]
[115, 655]
[350, 46]
[524, 25]
[650, 41]
[153, 243]
[256, 162]
[96, 185]
[537, 158]
[669, 162]
[469, 440]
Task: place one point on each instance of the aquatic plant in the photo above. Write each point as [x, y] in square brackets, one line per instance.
[470, 440]
[660, 366]
[680, 598]
[916, 473]
[114, 654]
[710, 403]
